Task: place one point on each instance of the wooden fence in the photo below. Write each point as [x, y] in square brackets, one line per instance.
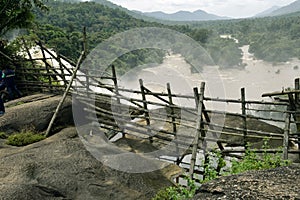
[194, 131]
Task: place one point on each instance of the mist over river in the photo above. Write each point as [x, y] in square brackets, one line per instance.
[257, 77]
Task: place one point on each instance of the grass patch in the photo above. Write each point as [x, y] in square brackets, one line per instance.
[24, 138]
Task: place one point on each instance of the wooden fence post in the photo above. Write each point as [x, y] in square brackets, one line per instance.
[297, 87]
[286, 136]
[173, 121]
[297, 109]
[199, 105]
[147, 116]
[118, 110]
[243, 99]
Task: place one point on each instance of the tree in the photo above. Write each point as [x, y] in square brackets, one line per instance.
[17, 14]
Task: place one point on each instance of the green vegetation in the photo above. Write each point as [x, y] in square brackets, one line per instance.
[3, 135]
[15, 15]
[61, 29]
[24, 138]
[215, 162]
[177, 192]
[59, 25]
[273, 39]
[250, 161]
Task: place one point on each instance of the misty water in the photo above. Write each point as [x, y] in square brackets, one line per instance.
[257, 77]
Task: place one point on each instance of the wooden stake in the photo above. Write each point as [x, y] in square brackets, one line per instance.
[173, 121]
[198, 129]
[286, 136]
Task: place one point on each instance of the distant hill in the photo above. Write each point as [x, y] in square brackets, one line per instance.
[129, 12]
[267, 12]
[198, 15]
[293, 7]
[114, 6]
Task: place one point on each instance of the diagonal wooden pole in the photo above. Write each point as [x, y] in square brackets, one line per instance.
[65, 94]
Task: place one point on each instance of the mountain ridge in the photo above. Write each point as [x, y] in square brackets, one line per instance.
[267, 11]
[290, 8]
[198, 15]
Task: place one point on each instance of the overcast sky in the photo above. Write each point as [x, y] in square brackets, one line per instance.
[229, 8]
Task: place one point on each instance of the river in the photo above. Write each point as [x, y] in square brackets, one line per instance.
[257, 77]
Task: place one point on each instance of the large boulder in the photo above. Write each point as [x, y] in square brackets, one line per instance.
[60, 167]
[35, 112]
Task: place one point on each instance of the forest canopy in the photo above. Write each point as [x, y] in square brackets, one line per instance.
[61, 29]
[273, 39]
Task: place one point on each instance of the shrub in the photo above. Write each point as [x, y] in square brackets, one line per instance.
[210, 171]
[251, 161]
[24, 138]
[177, 192]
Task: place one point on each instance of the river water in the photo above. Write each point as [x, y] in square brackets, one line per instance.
[257, 77]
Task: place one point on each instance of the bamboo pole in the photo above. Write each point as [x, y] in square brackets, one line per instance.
[65, 94]
[281, 93]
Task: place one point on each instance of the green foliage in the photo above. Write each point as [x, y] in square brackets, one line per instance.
[225, 52]
[24, 138]
[273, 39]
[177, 192]
[251, 161]
[210, 171]
[14, 15]
[61, 29]
[17, 14]
[3, 135]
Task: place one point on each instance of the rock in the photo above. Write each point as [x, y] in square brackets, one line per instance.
[35, 112]
[278, 183]
[60, 167]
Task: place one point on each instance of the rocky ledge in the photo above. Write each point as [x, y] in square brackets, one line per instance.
[279, 183]
[60, 167]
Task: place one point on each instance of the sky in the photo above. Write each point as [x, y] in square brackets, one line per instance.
[229, 8]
